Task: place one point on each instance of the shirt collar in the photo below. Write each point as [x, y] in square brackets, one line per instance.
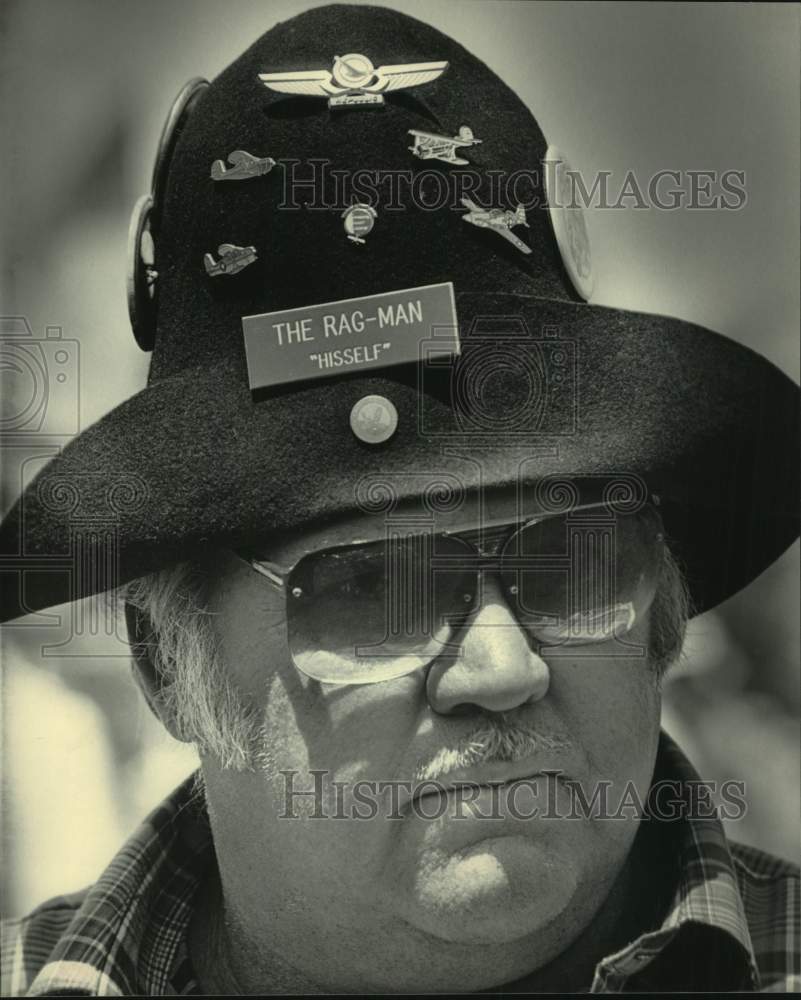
[124, 938]
[707, 897]
[126, 935]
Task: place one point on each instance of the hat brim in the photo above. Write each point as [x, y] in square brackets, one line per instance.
[194, 461]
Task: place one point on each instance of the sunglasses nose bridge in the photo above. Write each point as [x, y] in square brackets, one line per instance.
[487, 542]
[478, 559]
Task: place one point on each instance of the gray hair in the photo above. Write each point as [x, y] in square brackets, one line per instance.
[205, 707]
[196, 692]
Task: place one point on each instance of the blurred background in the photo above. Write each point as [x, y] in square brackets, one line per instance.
[84, 88]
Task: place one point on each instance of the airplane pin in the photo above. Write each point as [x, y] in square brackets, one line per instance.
[232, 259]
[353, 80]
[242, 165]
[428, 145]
[498, 220]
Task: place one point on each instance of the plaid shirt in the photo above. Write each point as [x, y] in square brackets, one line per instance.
[733, 923]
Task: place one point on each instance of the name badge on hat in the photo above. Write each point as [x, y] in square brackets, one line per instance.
[353, 80]
[339, 338]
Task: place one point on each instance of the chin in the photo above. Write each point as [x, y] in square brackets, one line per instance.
[497, 891]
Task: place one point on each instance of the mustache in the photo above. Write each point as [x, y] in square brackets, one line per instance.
[492, 741]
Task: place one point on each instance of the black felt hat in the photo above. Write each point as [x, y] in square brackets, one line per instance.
[547, 388]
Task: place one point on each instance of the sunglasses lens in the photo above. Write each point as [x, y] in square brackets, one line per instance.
[577, 580]
[372, 612]
[366, 613]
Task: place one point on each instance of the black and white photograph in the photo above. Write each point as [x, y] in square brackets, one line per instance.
[400, 497]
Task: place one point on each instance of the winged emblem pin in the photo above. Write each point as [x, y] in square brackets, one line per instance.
[353, 80]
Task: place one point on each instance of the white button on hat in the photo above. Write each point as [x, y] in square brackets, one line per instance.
[373, 419]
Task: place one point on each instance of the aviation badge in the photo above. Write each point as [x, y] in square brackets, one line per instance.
[232, 259]
[243, 165]
[353, 80]
[498, 220]
[429, 146]
[359, 220]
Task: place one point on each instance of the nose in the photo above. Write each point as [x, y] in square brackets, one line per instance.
[495, 668]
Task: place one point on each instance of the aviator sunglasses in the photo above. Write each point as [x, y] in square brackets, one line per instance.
[372, 611]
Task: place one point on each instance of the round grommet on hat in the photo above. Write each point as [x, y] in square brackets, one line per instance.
[177, 116]
[142, 275]
[567, 219]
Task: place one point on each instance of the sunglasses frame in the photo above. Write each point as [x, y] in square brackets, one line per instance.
[487, 541]
[278, 574]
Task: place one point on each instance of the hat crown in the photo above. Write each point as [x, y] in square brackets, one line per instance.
[327, 159]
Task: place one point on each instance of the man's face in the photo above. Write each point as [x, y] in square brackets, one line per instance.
[480, 873]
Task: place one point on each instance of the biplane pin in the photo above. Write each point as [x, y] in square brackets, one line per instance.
[498, 220]
[353, 80]
[429, 146]
[232, 259]
[243, 165]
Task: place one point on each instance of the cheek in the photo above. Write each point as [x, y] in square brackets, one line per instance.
[349, 734]
[611, 706]
[352, 732]
[248, 618]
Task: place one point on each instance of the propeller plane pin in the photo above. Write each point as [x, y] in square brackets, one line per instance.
[243, 165]
[232, 259]
[428, 145]
[498, 220]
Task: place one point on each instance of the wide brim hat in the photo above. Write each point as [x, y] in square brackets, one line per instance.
[561, 400]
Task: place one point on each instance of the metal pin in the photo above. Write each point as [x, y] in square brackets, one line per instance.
[430, 146]
[498, 220]
[243, 165]
[359, 221]
[232, 259]
[353, 80]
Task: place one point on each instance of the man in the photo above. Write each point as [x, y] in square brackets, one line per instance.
[407, 534]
